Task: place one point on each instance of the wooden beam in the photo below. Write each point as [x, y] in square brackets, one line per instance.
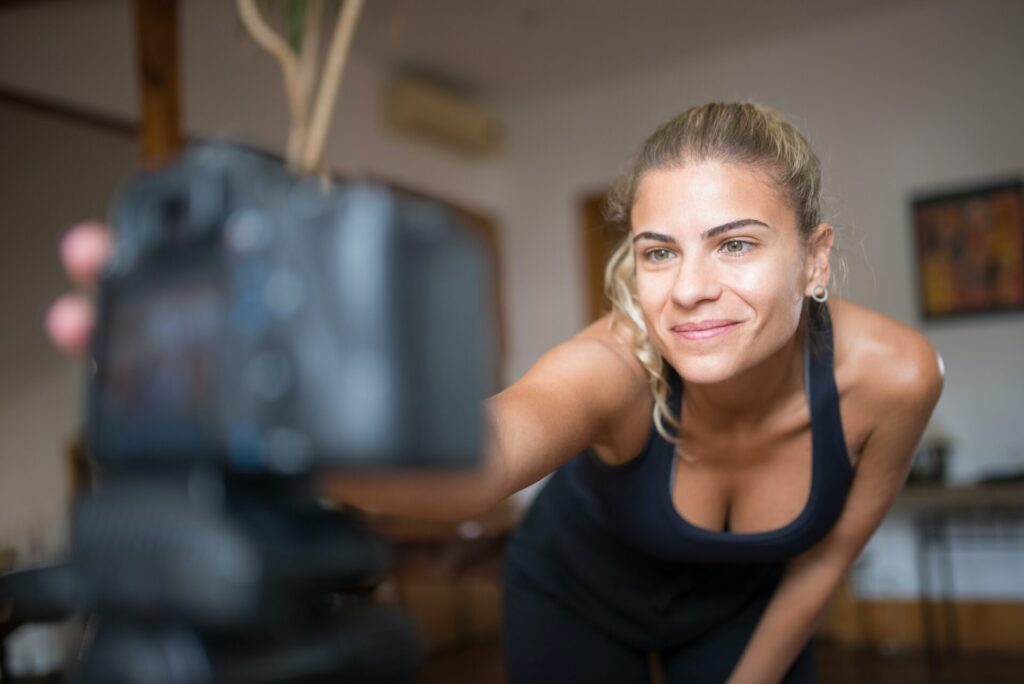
[42, 105]
[599, 241]
[156, 49]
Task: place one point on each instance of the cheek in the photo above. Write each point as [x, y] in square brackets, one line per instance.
[652, 294]
[772, 282]
[782, 296]
[773, 295]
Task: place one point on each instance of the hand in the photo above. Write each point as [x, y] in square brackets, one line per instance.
[83, 252]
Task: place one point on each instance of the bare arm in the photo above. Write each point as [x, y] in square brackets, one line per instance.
[565, 402]
[809, 580]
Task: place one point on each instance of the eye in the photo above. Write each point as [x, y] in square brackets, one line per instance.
[658, 255]
[736, 247]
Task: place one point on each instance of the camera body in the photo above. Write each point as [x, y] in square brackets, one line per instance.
[259, 323]
[252, 329]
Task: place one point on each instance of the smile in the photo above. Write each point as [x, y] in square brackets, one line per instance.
[704, 330]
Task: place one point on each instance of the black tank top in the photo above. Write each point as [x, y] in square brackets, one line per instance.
[634, 500]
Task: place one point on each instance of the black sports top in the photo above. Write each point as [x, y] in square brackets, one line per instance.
[634, 500]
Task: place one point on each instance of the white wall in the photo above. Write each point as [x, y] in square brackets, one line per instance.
[894, 102]
[52, 173]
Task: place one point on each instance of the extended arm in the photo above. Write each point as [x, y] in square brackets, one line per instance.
[564, 403]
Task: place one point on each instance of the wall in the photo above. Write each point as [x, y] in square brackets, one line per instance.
[52, 173]
[82, 53]
[896, 101]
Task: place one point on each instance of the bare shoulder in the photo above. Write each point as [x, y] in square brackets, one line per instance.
[598, 361]
[614, 339]
[580, 393]
[886, 363]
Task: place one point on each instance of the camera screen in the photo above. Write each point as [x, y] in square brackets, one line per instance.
[160, 383]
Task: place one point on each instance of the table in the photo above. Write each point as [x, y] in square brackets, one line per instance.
[979, 517]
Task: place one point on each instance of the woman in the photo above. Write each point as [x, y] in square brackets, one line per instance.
[725, 441]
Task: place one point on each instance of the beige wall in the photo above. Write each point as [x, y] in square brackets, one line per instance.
[52, 173]
[896, 100]
[82, 53]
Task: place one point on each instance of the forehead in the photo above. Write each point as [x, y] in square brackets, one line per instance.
[707, 194]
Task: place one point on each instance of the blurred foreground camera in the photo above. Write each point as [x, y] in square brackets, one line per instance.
[256, 322]
[253, 330]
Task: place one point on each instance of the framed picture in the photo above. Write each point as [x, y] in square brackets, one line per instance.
[970, 250]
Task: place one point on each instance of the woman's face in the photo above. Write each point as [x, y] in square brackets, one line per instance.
[721, 268]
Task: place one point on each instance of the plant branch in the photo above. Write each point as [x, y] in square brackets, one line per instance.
[330, 82]
[271, 41]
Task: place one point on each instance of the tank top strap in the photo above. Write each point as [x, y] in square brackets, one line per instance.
[822, 391]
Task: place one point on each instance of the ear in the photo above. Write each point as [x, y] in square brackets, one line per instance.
[817, 268]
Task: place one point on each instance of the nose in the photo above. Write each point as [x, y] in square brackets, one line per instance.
[696, 281]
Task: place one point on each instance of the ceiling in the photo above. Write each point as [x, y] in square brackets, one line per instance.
[517, 48]
[511, 49]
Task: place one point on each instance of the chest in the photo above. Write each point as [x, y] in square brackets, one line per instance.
[759, 481]
[729, 498]
[742, 485]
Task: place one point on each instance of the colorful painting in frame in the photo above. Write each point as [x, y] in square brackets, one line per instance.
[970, 250]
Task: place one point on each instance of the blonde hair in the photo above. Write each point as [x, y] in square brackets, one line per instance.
[739, 133]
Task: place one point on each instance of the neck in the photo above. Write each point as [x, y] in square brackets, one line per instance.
[748, 399]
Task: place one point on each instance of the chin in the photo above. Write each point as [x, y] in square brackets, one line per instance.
[704, 371]
[697, 368]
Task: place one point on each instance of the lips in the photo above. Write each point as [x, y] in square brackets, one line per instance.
[702, 330]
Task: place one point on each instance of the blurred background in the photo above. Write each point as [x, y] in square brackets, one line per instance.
[521, 113]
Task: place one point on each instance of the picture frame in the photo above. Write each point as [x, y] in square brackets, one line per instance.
[970, 249]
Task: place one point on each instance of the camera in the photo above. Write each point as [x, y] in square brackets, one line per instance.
[253, 321]
[253, 330]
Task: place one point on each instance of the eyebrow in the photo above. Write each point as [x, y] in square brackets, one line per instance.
[707, 234]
